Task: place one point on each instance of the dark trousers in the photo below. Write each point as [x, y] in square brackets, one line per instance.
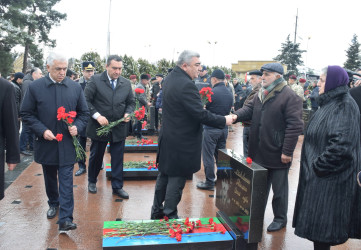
[278, 178]
[213, 139]
[63, 195]
[137, 129]
[168, 189]
[82, 141]
[97, 150]
[26, 137]
[321, 246]
[245, 140]
[156, 121]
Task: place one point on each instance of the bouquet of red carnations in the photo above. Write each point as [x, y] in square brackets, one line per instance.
[206, 93]
[68, 118]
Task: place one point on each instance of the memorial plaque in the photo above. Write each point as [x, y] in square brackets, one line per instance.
[241, 196]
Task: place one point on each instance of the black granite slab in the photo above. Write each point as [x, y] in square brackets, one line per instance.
[241, 194]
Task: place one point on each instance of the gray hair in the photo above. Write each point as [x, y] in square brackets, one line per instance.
[55, 56]
[186, 57]
[324, 71]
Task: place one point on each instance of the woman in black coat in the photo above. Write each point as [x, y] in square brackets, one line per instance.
[327, 204]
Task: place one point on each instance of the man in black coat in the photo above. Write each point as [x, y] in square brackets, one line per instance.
[39, 111]
[110, 98]
[180, 139]
[215, 138]
[154, 96]
[9, 134]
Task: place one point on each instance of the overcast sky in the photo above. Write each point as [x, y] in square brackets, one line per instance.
[242, 30]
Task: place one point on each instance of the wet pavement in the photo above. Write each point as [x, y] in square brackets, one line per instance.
[24, 225]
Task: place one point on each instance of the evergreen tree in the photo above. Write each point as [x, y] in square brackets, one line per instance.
[353, 61]
[130, 67]
[31, 22]
[290, 55]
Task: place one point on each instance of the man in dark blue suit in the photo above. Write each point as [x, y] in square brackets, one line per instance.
[110, 98]
[39, 112]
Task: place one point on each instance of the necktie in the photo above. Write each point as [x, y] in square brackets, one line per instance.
[112, 83]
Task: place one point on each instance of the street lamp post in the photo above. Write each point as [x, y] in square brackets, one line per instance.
[213, 43]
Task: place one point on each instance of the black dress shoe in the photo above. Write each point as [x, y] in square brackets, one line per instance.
[121, 193]
[51, 212]
[92, 188]
[80, 171]
[66, 226]
[205, 186]
[276, 226]
[27, 153]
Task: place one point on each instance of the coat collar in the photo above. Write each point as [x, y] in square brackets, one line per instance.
[274, 91]
[331, 94]
[180, 70]
[49, 81]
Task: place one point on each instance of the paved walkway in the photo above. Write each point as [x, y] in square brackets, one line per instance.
[23, 222]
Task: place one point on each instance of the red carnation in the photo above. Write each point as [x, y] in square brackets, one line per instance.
[210, 220]
[178, 237]
[72, 114]
[166, 218]
[249, 160]
[59, 137]
[139, 91]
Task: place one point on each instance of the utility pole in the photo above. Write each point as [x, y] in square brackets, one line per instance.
[108, 40]
[294, 42]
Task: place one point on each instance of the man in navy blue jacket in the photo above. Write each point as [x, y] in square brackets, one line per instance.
[39, 112]
[215, 138]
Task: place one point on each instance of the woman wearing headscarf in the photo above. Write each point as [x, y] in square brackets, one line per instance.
[327, 209]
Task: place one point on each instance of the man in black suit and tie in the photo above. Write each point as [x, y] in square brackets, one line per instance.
[180, 139]
[110, 98]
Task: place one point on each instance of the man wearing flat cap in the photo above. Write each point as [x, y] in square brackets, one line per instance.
[256, 81]
[88, 71]
[276, 114]
[292, 82]
[215, 138]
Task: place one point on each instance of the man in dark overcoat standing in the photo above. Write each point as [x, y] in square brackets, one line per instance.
[110, 98]
[9, 133]
[39, 112]
[180, 139]
[276, 114]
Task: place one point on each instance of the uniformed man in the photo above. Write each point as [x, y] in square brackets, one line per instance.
[203, 80]
[292, 82]
[88, 71]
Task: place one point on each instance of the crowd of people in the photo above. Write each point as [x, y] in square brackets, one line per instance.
[328, 203]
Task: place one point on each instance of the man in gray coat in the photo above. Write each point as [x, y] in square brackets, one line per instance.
[110, 98]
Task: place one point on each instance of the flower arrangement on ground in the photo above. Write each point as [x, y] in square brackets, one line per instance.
[165, 227]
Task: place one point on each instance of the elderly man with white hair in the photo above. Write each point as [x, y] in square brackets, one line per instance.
[39, 111]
